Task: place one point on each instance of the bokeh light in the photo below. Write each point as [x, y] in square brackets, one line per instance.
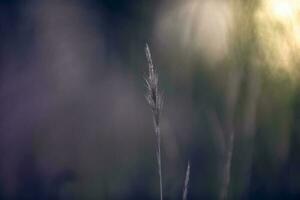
[278, 28]
[203, 27]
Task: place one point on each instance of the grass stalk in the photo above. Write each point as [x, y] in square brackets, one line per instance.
[186, 182]
[154, 99]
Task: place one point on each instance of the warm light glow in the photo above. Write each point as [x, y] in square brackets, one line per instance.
[278, 25]
[282, 9]
[198, 26]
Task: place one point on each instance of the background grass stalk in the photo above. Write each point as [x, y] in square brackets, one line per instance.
[186, 182]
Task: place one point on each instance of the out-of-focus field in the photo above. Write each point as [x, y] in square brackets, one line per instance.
[74, 122]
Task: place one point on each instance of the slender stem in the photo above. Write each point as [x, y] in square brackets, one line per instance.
[186, 182]
[157, 130]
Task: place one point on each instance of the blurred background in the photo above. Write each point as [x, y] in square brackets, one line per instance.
[74, 122]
